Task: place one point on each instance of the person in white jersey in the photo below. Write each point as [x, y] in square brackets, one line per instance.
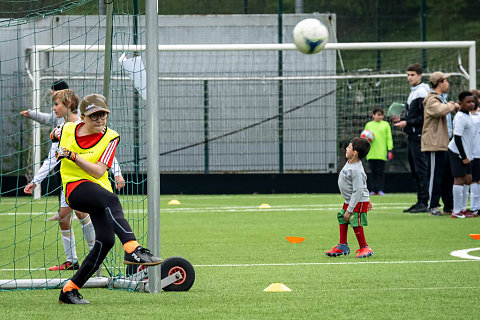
[460, 152]
[45, 117]
[475, 186]
[49, 118]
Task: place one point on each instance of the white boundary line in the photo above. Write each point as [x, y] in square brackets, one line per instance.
[166, 197]
[327, 263]
[248, 265]
[398, 288]
[226, 209]
[465, 254]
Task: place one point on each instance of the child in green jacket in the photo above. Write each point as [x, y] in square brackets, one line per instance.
[380, 150]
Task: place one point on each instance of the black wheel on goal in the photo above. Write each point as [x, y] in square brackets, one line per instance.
[173, 264]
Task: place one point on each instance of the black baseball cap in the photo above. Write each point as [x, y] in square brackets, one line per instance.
[59, 85]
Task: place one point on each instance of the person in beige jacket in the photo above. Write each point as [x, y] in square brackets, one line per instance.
[435, 139]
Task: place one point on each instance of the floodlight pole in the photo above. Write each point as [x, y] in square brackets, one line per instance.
[153, 144]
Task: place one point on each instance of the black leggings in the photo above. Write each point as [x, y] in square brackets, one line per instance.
[377, 167]
[418, 167]
[108, 220]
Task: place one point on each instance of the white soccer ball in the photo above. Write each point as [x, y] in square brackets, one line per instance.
[310, 36]
[367, 134]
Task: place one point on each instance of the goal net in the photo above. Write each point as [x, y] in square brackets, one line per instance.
[224, 108]
[30, 243]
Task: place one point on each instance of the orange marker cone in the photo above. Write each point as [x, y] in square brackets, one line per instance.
[295, 239]
[475, 236]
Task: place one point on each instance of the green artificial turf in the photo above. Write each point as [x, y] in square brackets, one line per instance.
[238, 250]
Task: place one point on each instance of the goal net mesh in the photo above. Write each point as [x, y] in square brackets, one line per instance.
[30, 244]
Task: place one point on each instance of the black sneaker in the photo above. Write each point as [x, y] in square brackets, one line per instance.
[142, 256]
[419, 207]
[408, 210]
[435, 212]
[447, 212]
[71, 297]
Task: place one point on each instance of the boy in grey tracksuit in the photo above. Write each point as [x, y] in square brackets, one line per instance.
[352, 182]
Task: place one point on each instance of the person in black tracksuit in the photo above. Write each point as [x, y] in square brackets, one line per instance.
[412, 125]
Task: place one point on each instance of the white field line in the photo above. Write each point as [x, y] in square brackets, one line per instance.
[326, 263]
[297, 208]
[319, 196]
[336, 203]
[261, 198]
[401, 289]
[203, 197]
[464, 254]
[249, 265]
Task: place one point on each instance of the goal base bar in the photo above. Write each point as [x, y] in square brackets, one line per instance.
[57, 283]
[97, 282]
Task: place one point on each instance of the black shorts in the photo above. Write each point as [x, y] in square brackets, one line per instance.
[459, 169]
[476, 169]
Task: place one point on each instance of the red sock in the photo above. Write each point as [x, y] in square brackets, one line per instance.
[343, 233]
[360, 236]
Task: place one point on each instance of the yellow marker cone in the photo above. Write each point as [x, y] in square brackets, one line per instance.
[174, 201]
[475, 236]
[277, 287]
[295, 239]
[264, 206]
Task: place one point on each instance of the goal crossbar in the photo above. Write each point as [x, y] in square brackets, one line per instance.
[262, 46]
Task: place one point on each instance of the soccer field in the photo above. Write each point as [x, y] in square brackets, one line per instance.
[239, 249]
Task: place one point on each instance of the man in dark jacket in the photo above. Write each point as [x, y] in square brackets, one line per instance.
[412, 126]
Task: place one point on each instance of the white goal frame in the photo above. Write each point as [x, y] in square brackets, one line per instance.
[36, 77]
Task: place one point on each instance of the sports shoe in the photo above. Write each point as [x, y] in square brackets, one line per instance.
[53, 218]
[72, 297]
[419, 207]
[457, 215]
[339, 250]
[372, 193]
[381, 193]
[446, 212]
[408, 210]
[469, 214]
[364, 252]
[435, 212]
[67, 265]
[142, 256]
